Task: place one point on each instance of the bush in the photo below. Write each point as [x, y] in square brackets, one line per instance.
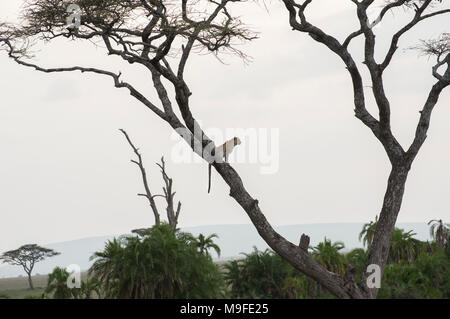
[427, 277]
[159, 263]
[261, 274]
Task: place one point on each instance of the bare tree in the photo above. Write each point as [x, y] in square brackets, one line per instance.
[27, 256]
[401, 159]
[149, 32]
[172, 214]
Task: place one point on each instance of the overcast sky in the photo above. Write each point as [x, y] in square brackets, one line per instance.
[65, 170]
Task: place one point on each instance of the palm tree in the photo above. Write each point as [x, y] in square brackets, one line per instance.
[261, 274]
[440, 233]
[404, 246]
[357, 257]
[327, 254]
[233, 277]
[88, 288]
[106, 267]
[204, 244]
[162, 263]
[368, 232]
[57, 284]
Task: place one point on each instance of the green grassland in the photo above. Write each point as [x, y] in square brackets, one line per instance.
[18, 288]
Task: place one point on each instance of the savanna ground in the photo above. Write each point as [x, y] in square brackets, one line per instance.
[163, 263]
[17, 287]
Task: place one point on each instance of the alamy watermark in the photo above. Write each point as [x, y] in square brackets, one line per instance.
[374, 279]
[257, 146]
[74, 279]
[73, 21]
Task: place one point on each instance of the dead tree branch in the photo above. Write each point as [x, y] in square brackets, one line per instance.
[148, 193]
[172, 214]
[169, 195]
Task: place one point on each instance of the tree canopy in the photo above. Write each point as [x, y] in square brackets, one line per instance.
[27, 256]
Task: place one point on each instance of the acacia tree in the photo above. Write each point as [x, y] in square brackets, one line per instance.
[150, 33]
[27, 256]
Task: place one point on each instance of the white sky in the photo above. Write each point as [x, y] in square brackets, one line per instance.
[65, 169]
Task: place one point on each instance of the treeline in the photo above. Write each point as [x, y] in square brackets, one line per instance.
[162, 263]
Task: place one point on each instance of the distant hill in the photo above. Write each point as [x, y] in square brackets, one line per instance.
[233, 240]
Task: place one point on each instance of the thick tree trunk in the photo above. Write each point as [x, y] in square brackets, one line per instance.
[379, 248]
[30, 281]
[378, 251]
